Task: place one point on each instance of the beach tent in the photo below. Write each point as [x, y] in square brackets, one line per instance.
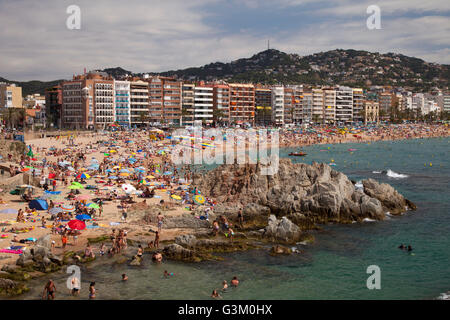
[38, 204]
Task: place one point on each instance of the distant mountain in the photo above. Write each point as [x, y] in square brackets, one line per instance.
[117, 72]
[33, 86]
[346, 67]
[350, 67]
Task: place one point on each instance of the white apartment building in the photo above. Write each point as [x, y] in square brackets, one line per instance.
[344, 104]
[122, 102]
[187, 104]
[446, 103]
[139, 103]
[358, 105]
[278, 105]
[329, 105]
[104, 103]
[318, 113]
[203, 104]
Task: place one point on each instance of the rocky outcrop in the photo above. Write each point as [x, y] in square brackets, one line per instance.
[11, 288]
[279, 249]
[40, 257]
[307, 194]
[282, 230]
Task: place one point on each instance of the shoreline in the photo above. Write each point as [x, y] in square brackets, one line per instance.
[138, 232]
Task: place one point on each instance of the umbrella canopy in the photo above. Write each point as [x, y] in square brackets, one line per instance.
[9, 210]
[93, 205]
[82, 197]
[76, 225]
[51, 175]
[83, 217]
[68, 208]
[199, 199]
[83, 176]
[128, 188]
[176, 197]
[38, 204]
[55, 210]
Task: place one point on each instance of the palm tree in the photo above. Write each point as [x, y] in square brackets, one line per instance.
[143, 117]
[13, 117]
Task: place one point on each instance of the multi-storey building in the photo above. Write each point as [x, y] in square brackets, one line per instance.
[203, 103]
[242, 103]
[122, 102]
[297, 115]
[358, 104]
[53, 106]
[88, 101]
[371, 111]
[307, 107]
[278, 105]
[221, 101]
[10, 96]
[329, 101]
[172, 90]
[187, 101]
[263, 106]
[446, 103]
[318, 105]
[386, 101]
[139, 103]
[344, 104]
[104, 102]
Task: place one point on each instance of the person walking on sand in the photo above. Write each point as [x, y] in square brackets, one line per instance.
[160, 218]
[156, 242]
[49, 290]
[64, 240]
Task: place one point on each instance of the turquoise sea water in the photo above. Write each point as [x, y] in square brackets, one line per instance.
[334, 266]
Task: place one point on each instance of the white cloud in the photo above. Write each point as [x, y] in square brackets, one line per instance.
[144, 36]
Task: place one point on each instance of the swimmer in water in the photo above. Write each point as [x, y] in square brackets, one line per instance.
[124, 277]
[215, 294]
[409, 248]
[235, 281]
[167, 274]
[402, 246]
[225, 285]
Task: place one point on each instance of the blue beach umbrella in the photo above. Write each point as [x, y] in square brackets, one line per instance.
[83, 217]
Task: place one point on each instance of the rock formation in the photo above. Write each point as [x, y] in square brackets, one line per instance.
[307, 194]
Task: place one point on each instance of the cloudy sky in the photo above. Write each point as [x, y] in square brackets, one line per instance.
[156, 35]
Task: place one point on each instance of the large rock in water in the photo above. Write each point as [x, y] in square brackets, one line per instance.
[282, 230]
[311, 193]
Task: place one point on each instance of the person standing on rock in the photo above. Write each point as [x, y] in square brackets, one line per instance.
[50, 290]
[160, 218]
[241, 218]
[156, 242]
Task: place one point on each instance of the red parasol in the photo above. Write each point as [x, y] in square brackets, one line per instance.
[51, 175]
[76, 225]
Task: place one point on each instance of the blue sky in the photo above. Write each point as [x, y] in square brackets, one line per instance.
[145, 36]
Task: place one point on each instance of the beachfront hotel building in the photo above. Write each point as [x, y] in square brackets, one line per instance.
[88, 101]
[187, 104]
[371, 111]
[242, 103]
[329, 105]
[10, 96]
[165, 100]
[53, 106]
[263, 105]
[344, 104]
[122, 102]
[278, 105]
[307, 107]
[358, 104]
[446, 103]
[203, 103]
[139, 103]
[221, 102]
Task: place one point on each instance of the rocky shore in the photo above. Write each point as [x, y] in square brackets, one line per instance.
[297, 198]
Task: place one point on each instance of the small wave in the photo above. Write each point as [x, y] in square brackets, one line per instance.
[388, 214]
[368, 220]
[359, 185]
[393, 174]
[303, 243]
[444, 296]
[376, 171]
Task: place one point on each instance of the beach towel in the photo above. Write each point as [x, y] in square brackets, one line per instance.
[114, 223]
[11, 251]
